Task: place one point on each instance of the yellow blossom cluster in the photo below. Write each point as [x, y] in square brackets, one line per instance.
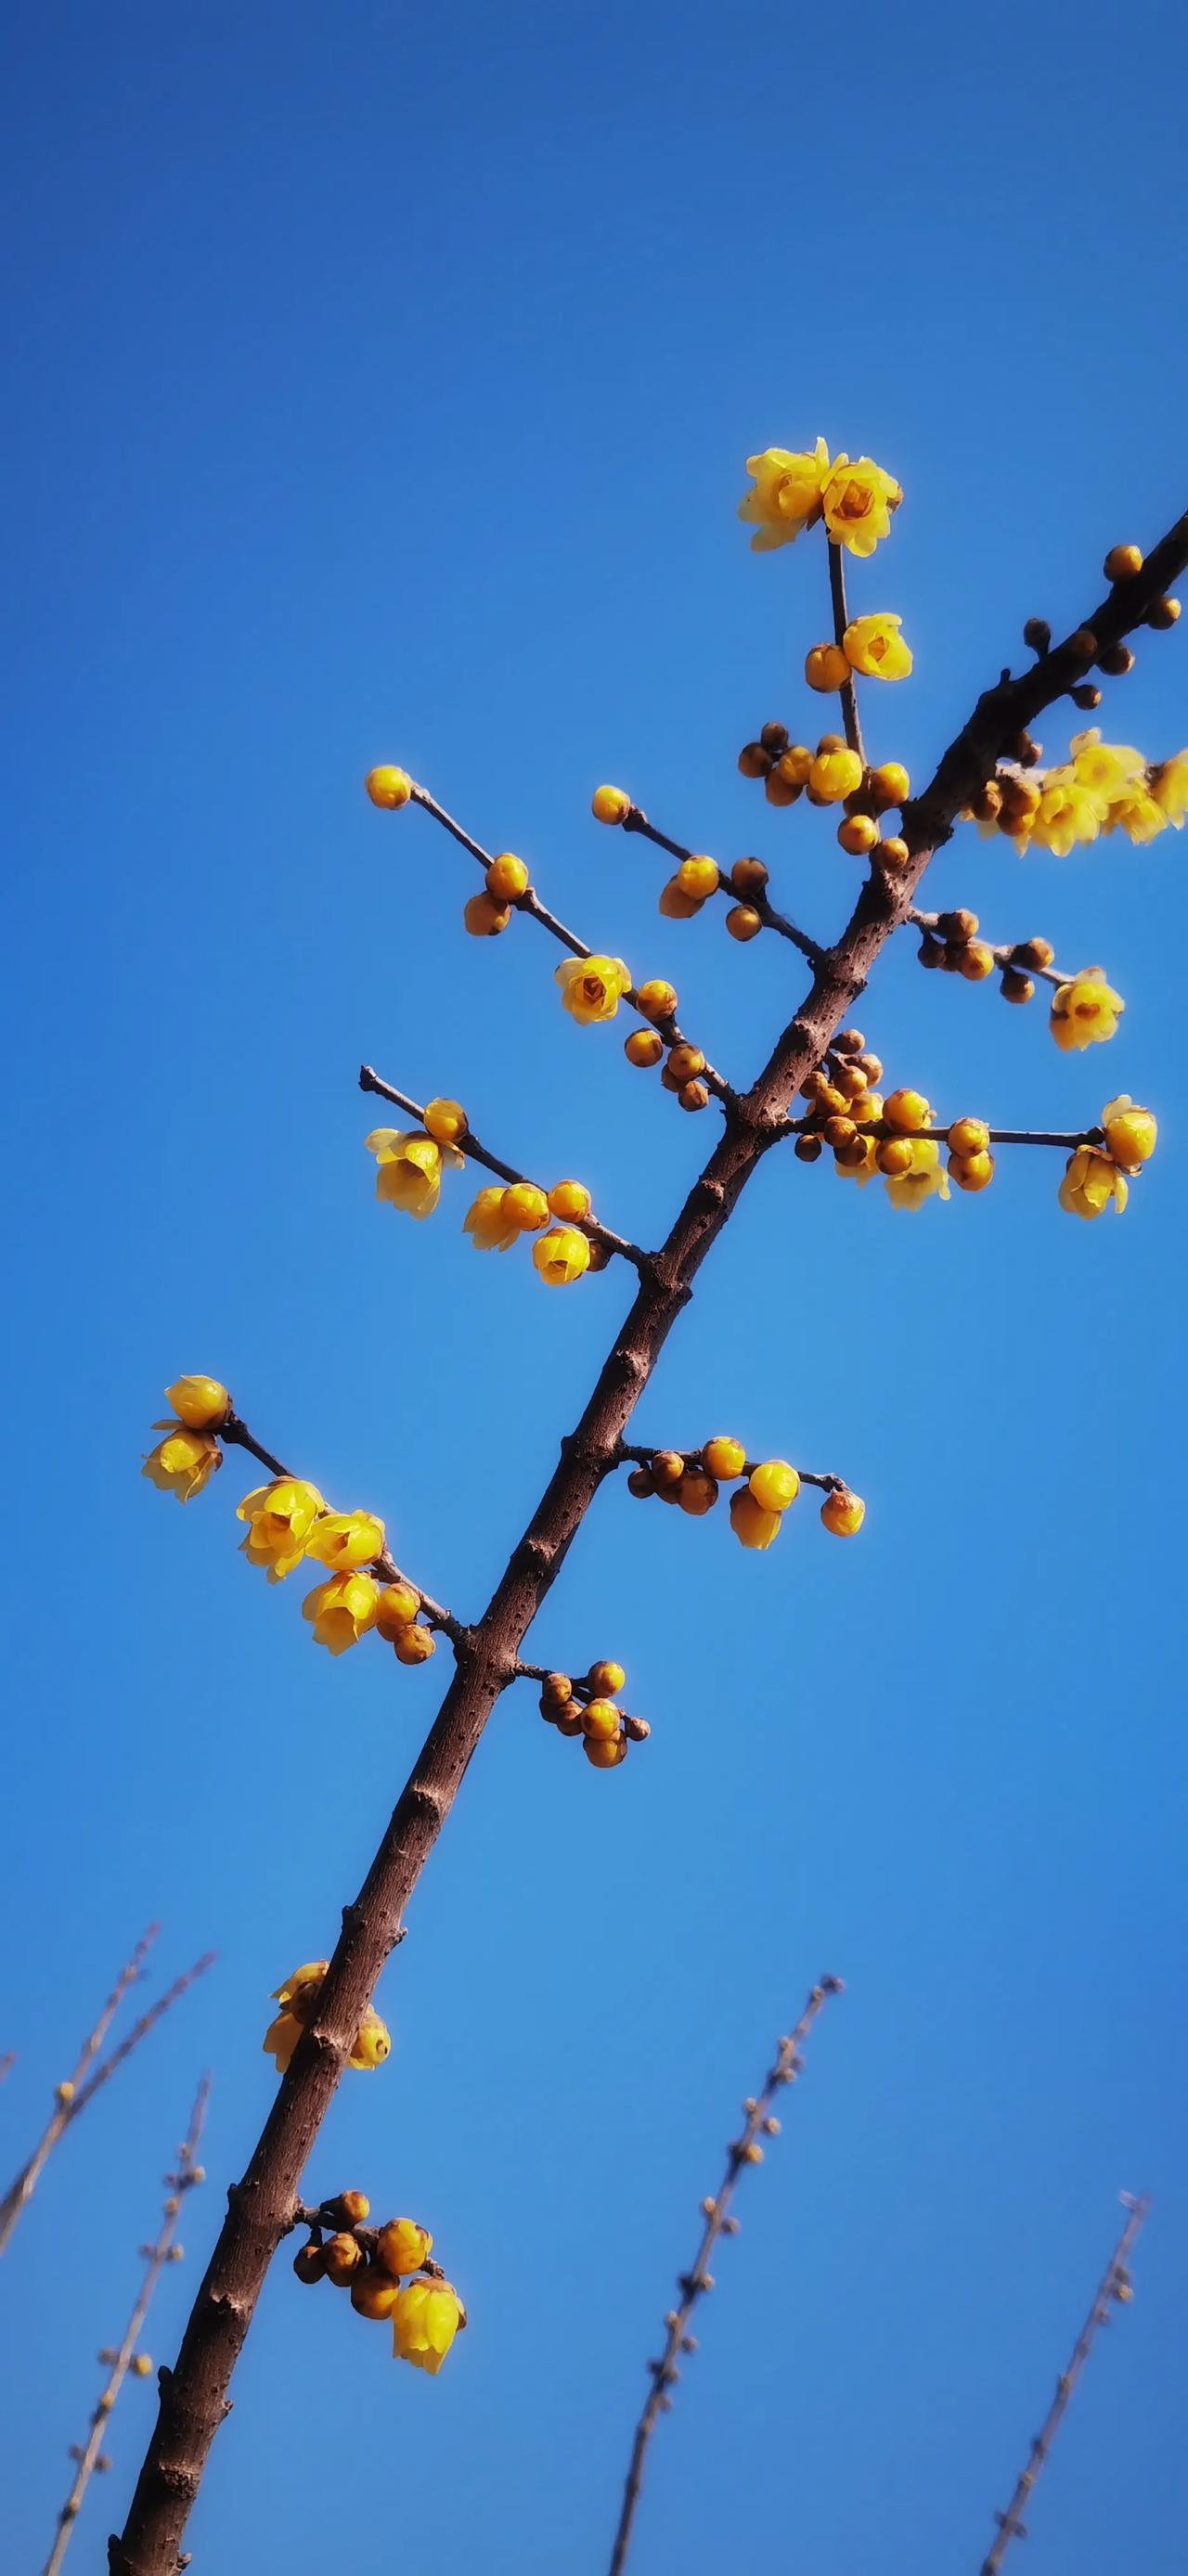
[587, 1708]
[1095, 1176]
[189, 1455]
[298, 2000]
[1102, 787]
[873, 1138]
[409, 1178]
[764, 1489]
[505, 884]
[833, 774]
[411, 1160]
[389, 2274]
[791, 491]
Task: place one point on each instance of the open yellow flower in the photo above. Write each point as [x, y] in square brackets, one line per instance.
[410, 1168]
[343, 1541]
[1169, 787]
[200, 1402]
[298, 1999]
[280, 2040]
[592, 987]
[341, 1610]
[1131, 1133]
[857, 501]
[1137, 813]
[786, 495]
[1104, 767]
[1067, 812]
[280, 1517]
[486, 1222]
[425, 2320]
[1084, 1012]
[561, 1255]
[300, 1992]
[1091, 1182]
[874, 647]
[183, 1462]
[927, 1177]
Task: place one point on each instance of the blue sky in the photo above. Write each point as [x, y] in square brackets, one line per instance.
[383, 385]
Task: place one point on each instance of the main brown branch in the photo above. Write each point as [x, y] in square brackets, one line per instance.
[194, 2395]
[694, 2283]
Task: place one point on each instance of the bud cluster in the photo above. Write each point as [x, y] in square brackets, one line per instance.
[586, 1707]
[764, 1488]
[833, 774]
[389, 2273]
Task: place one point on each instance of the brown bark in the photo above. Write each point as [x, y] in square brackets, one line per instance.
[193, 2399]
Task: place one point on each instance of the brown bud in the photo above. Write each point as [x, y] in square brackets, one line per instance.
[1015, 987]
[807, 1149]
[930, 952]
[951, 956]
[987, 804]
[1033, 953]
[640, 1483]
[352, 2207]
[685, 1062]
[1027, 752]
[668, 1467]
[1163, 614]
[957, 925]
[637, 1729]
[774, 737]
[1085, 695]
[849, 1042]
[1083, 645]
[748, 876]
[342, 2255]
[851, 1154]
[754, 761]
[599, 1256]
[778, 791]
[839, 1132]
[892, 850]
[1116, 661]
[1122, 562]
[869, 1066]
[309, 2263]
[556, 1691]
[977, 961]
[1037, 634]
[693, 1095]
[830, 742]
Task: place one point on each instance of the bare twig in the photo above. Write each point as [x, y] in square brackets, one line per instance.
[847, 692]
[1114, 2281]
[693, 2284]
[469, 1145]
[90, 2457]
[193, 2397]
[74, 2095]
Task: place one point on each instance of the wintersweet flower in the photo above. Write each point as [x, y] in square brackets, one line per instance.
[561, 1256]
[410, 1168]
[1104, 767]
[1131, 1133]
[445, 1121]
[343, 1541]
[280, 2040]
[842, 1512]
[300, 1992]
[857, 501]
[1085, 1012]
[1067, 812]
[1169, 788]
[925, 1180]
[753, 1525]
[200, 1402]
[183, 1462]
[280, 1517]
[787, 494]
[592, 987]
[487, 1223]
[1137, 813]
[525, 1207]
[341, 1610]
[1091, 1182]
[373, 2042]
[401, 2247]
[874, 647]
[425, 2320]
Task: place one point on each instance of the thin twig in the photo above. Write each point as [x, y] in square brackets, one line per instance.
[847, 692]
[1002, 952]
[635, 820]
[882, 1133]
[469, 1145]
[91, 2456]
[1113, 2279]
[693, 2284]
[530, 903]
[641, 1454]
[73, 2096]
[194, 2398]
[237, 1436]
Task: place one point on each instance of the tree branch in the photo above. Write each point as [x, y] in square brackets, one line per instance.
[193, 2398]
[635, 820]
[469, 1145]
[847, 692]
[237, 1436]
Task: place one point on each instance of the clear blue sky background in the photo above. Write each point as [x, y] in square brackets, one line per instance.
[383, 381]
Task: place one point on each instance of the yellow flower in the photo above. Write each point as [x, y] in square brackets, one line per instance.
[388, 787]
[341, 1610]
[280, 2040]
[300, 1991]
[410, 1168]
[525, 1207]
[834, 774]
[346, 1540]
[875, 647]
[1130, 1132]
[591, 987]
[396, 1610]
[570, 1200]
[373, 2042]
[561, 1256]
[425, 2320]
[1084, 1012]
[787, 494]
[752, 1524]
[1137, 814]
[1104, 767]
[1169, 787]
[280, 1517]
[402, 2246]
[858, 500]
[486, 1222]
[843, 1512]
[774, 1485]
[183, 1462]
[1067, 812]
[445, 1121]
[1091, 1182]
[926, 1177]
[200, 1402]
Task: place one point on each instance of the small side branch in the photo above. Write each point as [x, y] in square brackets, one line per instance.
[751, 894]
[90, 2457]
[469, 1145]
[759, 2122]
[954, 933]
[236, 1435]
[847, 692]
[1114, 2286]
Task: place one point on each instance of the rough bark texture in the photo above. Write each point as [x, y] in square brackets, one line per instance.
[193, 2400]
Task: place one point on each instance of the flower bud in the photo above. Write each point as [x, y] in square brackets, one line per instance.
[968, 1136]
[858, 835]
[697, 1493]
[693, 1095]
[743, 922]
[748, 876]
[826, 667]
[723, 1457]
[600, 1721]
[656, 1000]
[685, 1062]
[1122, 562]
[773, 1485]
[605, 1679]
[342, 2255]
[754, 761]
[889, 784]
[699, 876]
[675, 904]
[483, 918]
[506, 878]
[842, 1512]
[389, 788]
[610, 805]
[644, 1048]
[1163, 614]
